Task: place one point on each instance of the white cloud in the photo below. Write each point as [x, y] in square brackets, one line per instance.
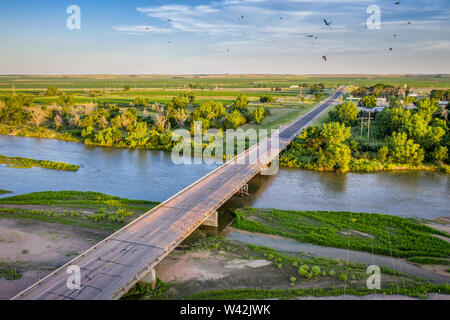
[141, 29]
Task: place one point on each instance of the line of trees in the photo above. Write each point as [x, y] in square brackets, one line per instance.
[404, 138]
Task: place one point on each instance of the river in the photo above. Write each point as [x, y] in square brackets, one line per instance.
[151, 175]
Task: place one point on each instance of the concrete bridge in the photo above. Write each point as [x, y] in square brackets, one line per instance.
[115, 265]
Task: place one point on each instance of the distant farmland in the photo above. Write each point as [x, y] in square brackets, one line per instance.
[211, 82]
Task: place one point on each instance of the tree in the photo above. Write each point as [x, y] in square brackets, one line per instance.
[403, 150]
[393, 119]
[66, 100]
[345, 113]
[52, 91]
[181, 101]
[335, 157]
[129, 119]
[13, 109]
[138, 137]
[181, 116]
[369, 101]
[37, 116]
[266, 99]
[441, 154]
[140, 102]
[383, 154]
[235, 119]
[318, 96]
[437, 95]
[126, 88]
[335, 133]
[259, 114]
[241, 103]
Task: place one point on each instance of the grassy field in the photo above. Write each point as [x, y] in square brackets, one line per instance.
[85, 209]
[17, 162]
[375, 233]
[213, 81]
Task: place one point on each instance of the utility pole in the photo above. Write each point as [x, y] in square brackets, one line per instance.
[14, 88]
[365, 122]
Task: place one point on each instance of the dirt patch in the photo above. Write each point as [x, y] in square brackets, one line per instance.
[439, 269]
[195, 272]
[191, 266]
[443, 220]
[36, 248]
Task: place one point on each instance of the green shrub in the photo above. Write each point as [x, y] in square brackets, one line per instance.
[315, 270]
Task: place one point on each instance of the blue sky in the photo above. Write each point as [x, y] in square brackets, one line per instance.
[199, 36]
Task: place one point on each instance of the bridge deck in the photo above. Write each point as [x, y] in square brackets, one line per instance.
[113, 266]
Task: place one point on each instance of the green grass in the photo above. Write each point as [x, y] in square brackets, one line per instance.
[106, 212]
[39, 83]
[382, 234]
[17, 162]
[246, 294]
[144, 291]
[9, 273]
[428, 260]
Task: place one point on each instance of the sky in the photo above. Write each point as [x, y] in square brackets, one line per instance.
[224, 36]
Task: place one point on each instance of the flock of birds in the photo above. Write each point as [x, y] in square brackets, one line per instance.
[310, 36]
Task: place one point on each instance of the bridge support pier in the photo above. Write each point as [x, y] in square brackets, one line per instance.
[212, 221]
[243, 191]
[150, 279]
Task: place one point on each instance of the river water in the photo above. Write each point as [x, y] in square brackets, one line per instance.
[151, 175]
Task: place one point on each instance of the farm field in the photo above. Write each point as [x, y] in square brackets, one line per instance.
[208, 82]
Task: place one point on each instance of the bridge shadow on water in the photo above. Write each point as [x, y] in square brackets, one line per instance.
[256, 186]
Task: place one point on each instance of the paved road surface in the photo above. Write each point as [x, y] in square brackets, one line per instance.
[116, 264]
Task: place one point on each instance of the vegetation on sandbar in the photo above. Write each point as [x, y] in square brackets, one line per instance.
[245, 294]
[4, 191]
[374, 233]
[85, 209]
[17, 162]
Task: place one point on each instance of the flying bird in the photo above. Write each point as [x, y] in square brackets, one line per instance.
[409, 22]
[390, 49]
[395, 35]
[327, 22]
[310, 36]
[397, 3]
[324, 58]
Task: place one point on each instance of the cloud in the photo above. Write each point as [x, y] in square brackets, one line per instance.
[263, 27]
[135, 30]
